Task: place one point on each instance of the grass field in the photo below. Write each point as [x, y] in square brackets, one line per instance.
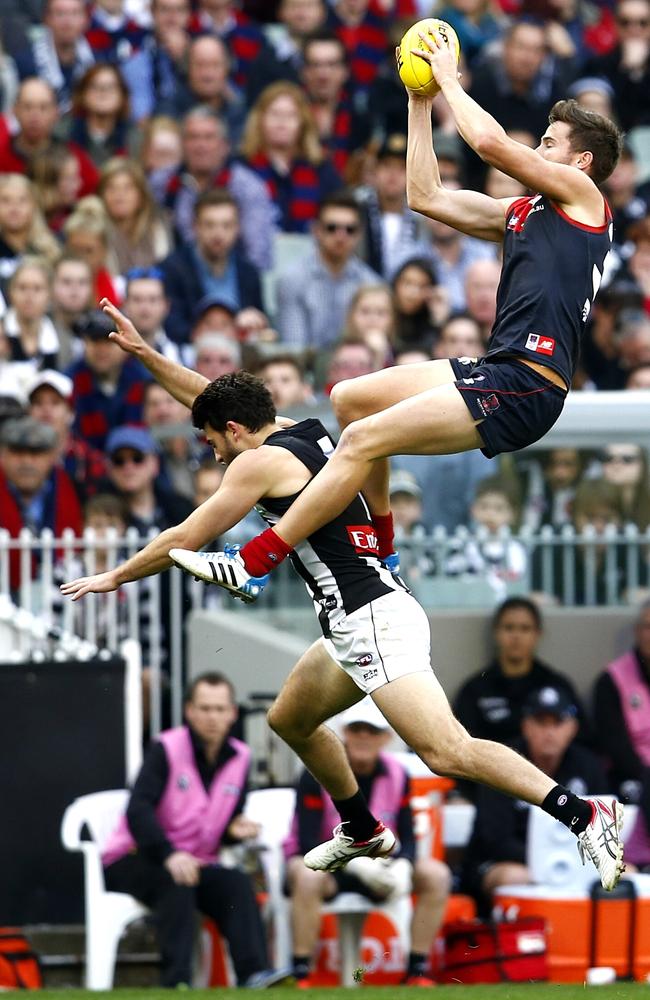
[518, 991]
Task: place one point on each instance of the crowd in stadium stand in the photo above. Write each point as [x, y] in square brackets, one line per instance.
[233, 175]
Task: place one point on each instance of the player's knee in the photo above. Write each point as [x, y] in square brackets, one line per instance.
[305, 882]
[354, 443]
[285, 724]
[342, 401]
[448, 757]
[432, 876]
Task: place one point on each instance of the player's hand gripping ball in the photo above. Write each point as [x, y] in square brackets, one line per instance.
[415, 73]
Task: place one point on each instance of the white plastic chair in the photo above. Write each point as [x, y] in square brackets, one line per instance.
[273, 809]
[107, 913]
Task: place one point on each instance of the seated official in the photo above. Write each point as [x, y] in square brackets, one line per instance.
[496, 853]
[385, 786]
[187, 800]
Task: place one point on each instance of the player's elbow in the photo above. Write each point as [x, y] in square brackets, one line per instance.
[419, 200]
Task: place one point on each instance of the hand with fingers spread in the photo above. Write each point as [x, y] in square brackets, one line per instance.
[440, 56]
[125, 334]
[101, 583]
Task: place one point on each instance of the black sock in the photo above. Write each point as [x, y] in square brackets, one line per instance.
[572, 811]
[417, 964]
[354, 811]
[300, 966]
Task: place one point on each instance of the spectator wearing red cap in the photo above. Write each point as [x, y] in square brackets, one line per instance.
[50, 402]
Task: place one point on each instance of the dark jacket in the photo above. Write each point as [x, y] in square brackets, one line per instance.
[184, 289]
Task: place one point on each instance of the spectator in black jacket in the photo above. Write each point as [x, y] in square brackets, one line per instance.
[209, 265]
[496, 854]
[489, 704]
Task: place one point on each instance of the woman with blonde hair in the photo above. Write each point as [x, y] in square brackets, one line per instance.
[371, 318]
[23, 229]
[281, 145]
[137, 236]
[162, 145]
[86, 236]
[29, 341]
[57, 181]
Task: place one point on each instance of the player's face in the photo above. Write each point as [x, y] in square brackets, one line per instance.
[211, 712]
[222, 444]
[555, 145]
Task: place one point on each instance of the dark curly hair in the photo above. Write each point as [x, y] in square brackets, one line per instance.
[238, 396]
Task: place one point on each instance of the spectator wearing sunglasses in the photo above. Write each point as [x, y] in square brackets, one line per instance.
[133, 469]
[107, 384]
[627, 66]
[626, 467]
[314, 293]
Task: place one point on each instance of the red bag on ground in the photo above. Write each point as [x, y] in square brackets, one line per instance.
[485, 951]
[19, 966]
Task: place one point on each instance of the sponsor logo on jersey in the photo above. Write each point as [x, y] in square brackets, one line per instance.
[540, 344]
[363, 538]
[363, 660]
[368, 675]
[523, 208]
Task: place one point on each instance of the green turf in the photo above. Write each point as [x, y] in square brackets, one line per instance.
[523, 991]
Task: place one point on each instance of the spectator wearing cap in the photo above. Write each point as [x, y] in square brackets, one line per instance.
[50, 402]
[282, 147]
[622, 716]
[35, 493]
[214, 315]
[35, 113]
[496, 853]
[58, 52]
[405, 504]
[343, 126]
[107, 384]
[593, 93]
[209, 265]
[28, 338]
[207, 164]
[133, 469]
[385, 784]
[627, 65]
[147, 306]
[314, 294]
[489, 704]
[391, 230]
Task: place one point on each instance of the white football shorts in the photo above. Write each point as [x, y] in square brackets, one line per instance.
[382, 641]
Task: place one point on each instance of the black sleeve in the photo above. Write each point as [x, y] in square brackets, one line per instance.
[405, 830]
[309, 806]
[141, 810]
[614, 740]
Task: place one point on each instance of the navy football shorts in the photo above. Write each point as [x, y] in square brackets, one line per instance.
[515, 403]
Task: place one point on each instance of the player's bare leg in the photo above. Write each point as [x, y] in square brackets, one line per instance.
[308, 891]
[418, 710]
[315, 690]
[435, 422]
[354, 399]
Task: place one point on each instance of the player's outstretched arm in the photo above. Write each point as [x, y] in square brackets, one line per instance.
[562, 183]
[182, 383]
[246, 480]
[468, 211]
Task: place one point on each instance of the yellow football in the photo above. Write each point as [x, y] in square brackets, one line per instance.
[414, 72]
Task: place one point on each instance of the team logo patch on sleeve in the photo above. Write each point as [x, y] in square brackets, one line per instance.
[540, 344]
[363, 538]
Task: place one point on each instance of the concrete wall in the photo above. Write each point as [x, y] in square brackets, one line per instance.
[258, 657]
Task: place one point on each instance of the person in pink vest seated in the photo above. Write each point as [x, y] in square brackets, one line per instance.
[186, 802]
[622, 712]
[385, 785]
